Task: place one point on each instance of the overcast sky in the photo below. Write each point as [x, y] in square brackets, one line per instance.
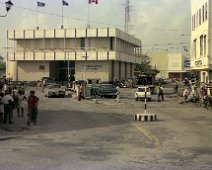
[158, 23]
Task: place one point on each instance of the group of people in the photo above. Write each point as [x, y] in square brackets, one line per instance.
[12, 99]
[193, 93]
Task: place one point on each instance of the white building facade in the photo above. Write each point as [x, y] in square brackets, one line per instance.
[201, 37]
[90, 54]
[171, 65]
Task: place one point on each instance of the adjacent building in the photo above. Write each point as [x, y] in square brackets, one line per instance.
[102, 54]
[171, 65]
[201, 37]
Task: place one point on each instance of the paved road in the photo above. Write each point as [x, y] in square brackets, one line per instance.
[72, 135]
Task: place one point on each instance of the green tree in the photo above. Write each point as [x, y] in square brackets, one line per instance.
[145, 68]
[2, 67]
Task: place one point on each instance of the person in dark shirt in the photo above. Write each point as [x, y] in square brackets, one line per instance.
[32, 107]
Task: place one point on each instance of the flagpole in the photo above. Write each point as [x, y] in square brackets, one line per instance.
[62, 17]
[88, 24]
[37, 18]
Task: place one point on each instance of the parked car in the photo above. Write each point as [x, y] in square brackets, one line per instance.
[19, 85]
[107, 90]
[123, 84]
[54, 90]
[140, 93]
[47, 82]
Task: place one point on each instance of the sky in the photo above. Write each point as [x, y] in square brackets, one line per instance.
[158, 23]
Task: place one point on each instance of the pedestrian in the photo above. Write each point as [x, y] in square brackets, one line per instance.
[161, 93]
[2, 90]
[32, 108]
[159, 89]
[1, 110]
[21, 99]
[186, 93]
[15, 97]
[81, 90]
[8, 103]
[176, 88]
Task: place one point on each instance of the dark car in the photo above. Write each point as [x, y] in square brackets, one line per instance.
[107, 90]
[19, 85]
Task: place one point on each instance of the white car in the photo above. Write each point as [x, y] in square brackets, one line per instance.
[54, 90]
[140, 93]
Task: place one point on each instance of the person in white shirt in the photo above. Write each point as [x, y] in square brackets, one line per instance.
[20, 106]
[7, 101]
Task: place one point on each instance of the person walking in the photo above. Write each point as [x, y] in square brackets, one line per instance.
[8, 103]
[32, 108]
[21, 99]
[161, 93]
[176, 88]
[1, 110]
[186, 93]
[159, 89]
[81, 89]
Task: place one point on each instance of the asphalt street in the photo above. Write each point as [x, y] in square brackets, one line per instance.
[73, 135]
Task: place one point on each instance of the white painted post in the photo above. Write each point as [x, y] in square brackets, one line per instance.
[145, 101]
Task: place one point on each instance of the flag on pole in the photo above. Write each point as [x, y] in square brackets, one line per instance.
[65, 3]
[40, 4]
[93, 1]
[8, 4]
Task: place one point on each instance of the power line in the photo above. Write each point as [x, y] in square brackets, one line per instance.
[56, 15]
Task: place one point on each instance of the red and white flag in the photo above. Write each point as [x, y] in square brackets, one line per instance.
[93, 1]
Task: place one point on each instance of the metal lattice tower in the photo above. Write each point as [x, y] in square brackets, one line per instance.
[127, 16]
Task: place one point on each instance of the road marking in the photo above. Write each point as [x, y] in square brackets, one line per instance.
[148, 134]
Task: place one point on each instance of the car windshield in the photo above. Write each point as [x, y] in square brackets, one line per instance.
[53, 86]
[142, 89]
[107, 86]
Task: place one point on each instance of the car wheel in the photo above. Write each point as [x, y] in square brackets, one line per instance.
[136, 99]
[101, 96]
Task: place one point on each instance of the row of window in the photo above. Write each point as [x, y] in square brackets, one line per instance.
[200, 16]
[202, 46]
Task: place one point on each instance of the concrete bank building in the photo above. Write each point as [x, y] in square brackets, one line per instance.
[201, 38]
[102, 54]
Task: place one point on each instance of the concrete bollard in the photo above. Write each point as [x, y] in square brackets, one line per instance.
[145, 117]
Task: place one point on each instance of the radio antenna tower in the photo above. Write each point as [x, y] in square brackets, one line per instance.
[127, 16]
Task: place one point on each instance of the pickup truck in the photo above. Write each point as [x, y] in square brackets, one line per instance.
[107, 90]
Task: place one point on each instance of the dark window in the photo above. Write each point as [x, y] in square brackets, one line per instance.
[200, 19]
[111, 43]
[205, 43]
[201, 45]
[203, 13]
[206, 11]
[82, 43]
[41, 67]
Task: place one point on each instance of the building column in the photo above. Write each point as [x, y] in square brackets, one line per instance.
[131, 71]
[120, 70]
[112, 70]
[125, 70]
